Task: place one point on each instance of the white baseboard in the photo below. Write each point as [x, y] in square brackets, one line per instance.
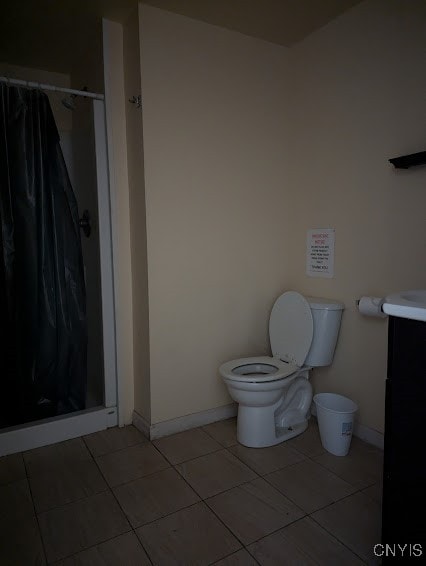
[186, 422]
[195, 420]
[370, 435]
[362, 432]
[141, 423]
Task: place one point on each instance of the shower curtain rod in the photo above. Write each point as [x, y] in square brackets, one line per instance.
[42, 86]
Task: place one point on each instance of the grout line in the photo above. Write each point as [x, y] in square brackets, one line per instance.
[71, 502]
[252, 556]
[276, 531]
[335, 537]
[189, 459]
[94, 458]
[94, 546]
[307, 516]
[203, 427]
[202, 499]
[288, 495]
[260, 538]
[283, 495]
[118, 502]
[151, 560]
[114, 451]
[168, 515]
[205, 501]
[234, 554]
[139, 478]
[373, 481]
[218, 493]
[34, 509]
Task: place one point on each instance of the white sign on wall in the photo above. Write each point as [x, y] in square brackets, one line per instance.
[320, 252]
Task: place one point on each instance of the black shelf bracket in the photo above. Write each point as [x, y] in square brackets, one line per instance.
[412, 160]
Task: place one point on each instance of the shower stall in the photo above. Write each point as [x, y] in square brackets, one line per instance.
[58, 363]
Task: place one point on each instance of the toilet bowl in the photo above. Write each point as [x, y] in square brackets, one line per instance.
[273, 392]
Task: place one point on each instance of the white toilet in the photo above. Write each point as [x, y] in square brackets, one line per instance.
[274, 393]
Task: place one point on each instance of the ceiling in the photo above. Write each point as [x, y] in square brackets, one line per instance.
[53, 34]
[284, 22]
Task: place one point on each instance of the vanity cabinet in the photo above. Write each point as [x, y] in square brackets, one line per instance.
[404, 478]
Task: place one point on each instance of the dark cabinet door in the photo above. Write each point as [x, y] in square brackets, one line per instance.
[404, 477]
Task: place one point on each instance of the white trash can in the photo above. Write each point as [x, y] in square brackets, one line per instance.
[335, 415]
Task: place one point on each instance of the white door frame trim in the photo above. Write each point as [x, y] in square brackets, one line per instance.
[106, 260]
[115, 102]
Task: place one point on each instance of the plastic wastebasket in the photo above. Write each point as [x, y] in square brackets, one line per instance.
[335, 415]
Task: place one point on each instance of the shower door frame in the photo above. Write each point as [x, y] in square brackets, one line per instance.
[71, 425]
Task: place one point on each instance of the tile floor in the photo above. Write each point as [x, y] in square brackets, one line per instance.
[115, 499]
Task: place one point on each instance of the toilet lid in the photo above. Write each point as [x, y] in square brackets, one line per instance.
[291, 328]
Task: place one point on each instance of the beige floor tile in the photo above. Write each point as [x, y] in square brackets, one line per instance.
[65, 485]
[77, 526]
[375, 491]
[362, 467]
[356, 521]
[15, 503]
[12, 468]
[254, 510]
[88, 526]
[309, 442]
[186, 445]
[49, 458]
[125, 550]
[113, 439]
[154, 496]
[266, 460]
[309, 485]
[20, 543]
[131, 463]
[193, 536]
[240, 558]
[214, 473]
[225, 432]
[303, 543]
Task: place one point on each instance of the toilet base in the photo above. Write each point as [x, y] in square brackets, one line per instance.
[262, 426]
[257, 429]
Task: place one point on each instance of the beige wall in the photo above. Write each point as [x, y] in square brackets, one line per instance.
[215, 108]
[247, 146]
[89, 70]
[359, 99]
[132, 75]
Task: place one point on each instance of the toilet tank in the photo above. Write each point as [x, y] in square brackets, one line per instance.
[326, 315]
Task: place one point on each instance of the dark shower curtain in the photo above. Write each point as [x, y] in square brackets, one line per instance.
[43, 332]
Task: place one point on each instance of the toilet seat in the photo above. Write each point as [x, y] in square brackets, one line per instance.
[290, 333]
[258, 369]
[291, 328]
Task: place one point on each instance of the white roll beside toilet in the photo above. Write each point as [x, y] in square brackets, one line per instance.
[335, 415]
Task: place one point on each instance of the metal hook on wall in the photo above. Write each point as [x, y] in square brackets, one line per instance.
[84, 223]
[136, 100]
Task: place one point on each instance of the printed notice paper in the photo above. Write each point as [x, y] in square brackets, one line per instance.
[320, 252]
